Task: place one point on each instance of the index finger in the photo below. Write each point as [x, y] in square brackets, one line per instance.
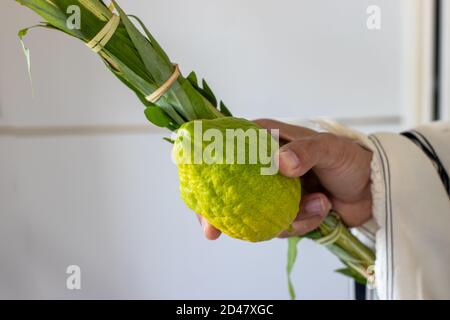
[288, 132]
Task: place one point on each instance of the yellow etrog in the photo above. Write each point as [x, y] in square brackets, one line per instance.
[235, 198]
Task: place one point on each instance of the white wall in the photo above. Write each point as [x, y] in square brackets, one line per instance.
[109, 202]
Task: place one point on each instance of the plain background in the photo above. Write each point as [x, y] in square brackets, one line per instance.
[108, 201]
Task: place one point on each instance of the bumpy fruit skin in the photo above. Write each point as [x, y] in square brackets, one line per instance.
[236, 198]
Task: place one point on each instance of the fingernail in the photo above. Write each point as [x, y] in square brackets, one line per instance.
[289, 158]
[314, 206]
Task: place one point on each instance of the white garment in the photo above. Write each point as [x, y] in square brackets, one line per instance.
[411, 212]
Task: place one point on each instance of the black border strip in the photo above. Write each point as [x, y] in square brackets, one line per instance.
[437, 67]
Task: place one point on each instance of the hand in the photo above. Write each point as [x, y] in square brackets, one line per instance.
[335, 175]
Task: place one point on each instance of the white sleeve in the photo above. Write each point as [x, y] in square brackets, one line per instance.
[411, 211]
[411, 206]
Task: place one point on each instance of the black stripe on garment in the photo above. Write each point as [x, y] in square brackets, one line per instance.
[419, 140]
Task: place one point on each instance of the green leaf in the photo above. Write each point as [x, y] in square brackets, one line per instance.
[348, 272]
[192, 78]
[94, 16]
[169, 140]
[153, 41]
[203, 108]
[313, 235]
[144, 87]
[224, 110]
[172, 112]
[292, 256]
[175, 119]
[22, 33]
[140, 62]
[208, 93]
[158, 68]
[55, 13]
[156, 116]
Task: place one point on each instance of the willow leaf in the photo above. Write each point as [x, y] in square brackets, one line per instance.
[169, 140]
[143, 86]
[292, 257]
[209, 94]
[153, 41]
[224, 110]
[22, 33]
[348, 272]
[157, 67]
[192, 78]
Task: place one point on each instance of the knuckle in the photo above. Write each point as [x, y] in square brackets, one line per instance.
[327, 138]
[332, 147]
[264, 122]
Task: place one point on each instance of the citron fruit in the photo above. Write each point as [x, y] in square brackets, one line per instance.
[236, 198]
